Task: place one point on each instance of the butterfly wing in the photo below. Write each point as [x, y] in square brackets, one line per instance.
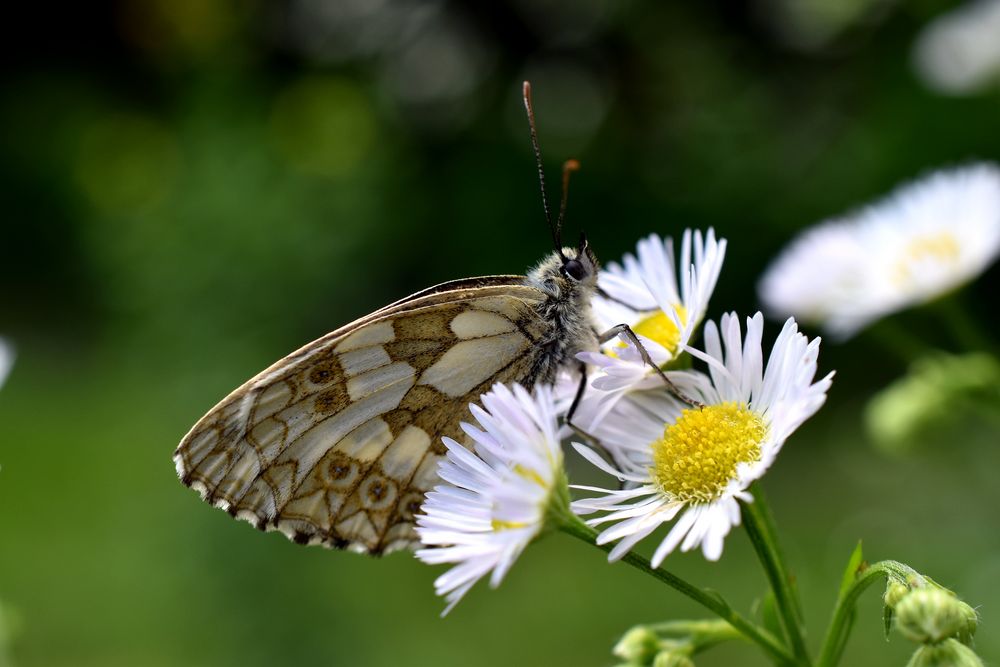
[338, 442]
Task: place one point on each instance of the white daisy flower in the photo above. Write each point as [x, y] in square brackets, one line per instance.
[924, 240]
[695, 464]
[497, 498]
[661, 300]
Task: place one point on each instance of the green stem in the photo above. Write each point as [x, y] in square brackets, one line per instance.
[963, 328]
[834, 642]
[702, 635]
[899, 342]
[688, 628]
[713, 602]
[760, 528]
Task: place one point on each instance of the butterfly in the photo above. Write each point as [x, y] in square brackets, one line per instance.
[337, 443]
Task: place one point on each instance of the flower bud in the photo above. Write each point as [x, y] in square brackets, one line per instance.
[638, 645]
[672, 659]
[894, 592]
[920, 407]
[971, 623]
[949, 653]
[930, 614]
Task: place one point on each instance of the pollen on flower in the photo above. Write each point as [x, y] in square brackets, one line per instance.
[660, 328]
[942, 248]
[530, 475]
[698, 454]
[497, 525]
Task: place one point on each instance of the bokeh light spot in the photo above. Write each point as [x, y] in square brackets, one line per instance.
[322, 125]
[181, 27]
[126, 163]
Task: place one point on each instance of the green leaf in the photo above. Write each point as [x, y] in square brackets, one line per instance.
[769, 615]
[793, 584]
[887, 614]
[855, 564]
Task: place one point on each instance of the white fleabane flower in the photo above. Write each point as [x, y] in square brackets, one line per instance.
[498, 497]
[662, 300]
[695, 464]
[958, 52]
[922, 241]
[6, 359]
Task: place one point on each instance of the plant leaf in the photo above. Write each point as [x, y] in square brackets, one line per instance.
[769, 615]
[855, 564]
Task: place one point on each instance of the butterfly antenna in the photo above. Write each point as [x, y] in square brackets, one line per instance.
[569, 166]
[555, 229]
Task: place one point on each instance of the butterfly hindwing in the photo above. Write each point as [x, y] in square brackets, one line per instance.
[338, 442]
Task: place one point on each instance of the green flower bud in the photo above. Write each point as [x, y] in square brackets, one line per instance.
[949, 653]
[672, 659]
[971, 623]
[920, 407]
[638, 645]
[930, 615]
[894, 592]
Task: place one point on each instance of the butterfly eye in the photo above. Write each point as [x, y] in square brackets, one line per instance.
[574, 269]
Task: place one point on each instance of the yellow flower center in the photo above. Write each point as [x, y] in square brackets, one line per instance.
[660, 328]
[942, 248]
[698, 454]
[530, 475]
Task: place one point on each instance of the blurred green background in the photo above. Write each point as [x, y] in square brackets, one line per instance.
[193, 188]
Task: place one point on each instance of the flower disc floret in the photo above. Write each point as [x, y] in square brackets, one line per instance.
[662, 329]
[699, 454]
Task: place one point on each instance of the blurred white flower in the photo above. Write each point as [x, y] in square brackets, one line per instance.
[813, 25]
[924, 240]
[697, 463]
[662, 300]
[6, 360]
[959, 52]
[495, 499]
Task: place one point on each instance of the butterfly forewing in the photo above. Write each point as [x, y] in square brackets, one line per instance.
[338, 442]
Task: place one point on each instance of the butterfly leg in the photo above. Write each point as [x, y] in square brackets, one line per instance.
[580, 389]
[592, 439]
[626, 330]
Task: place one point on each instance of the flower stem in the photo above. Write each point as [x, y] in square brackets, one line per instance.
[899, 342]
[833, 643]
[760, 528]
[710, 600]
[702, 635]
[964, 329]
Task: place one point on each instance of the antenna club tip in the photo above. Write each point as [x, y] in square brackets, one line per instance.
[571, 165]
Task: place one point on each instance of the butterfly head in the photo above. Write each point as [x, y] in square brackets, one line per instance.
[566, 272]
[578, 264]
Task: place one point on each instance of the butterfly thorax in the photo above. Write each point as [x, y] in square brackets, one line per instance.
[566, 307]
